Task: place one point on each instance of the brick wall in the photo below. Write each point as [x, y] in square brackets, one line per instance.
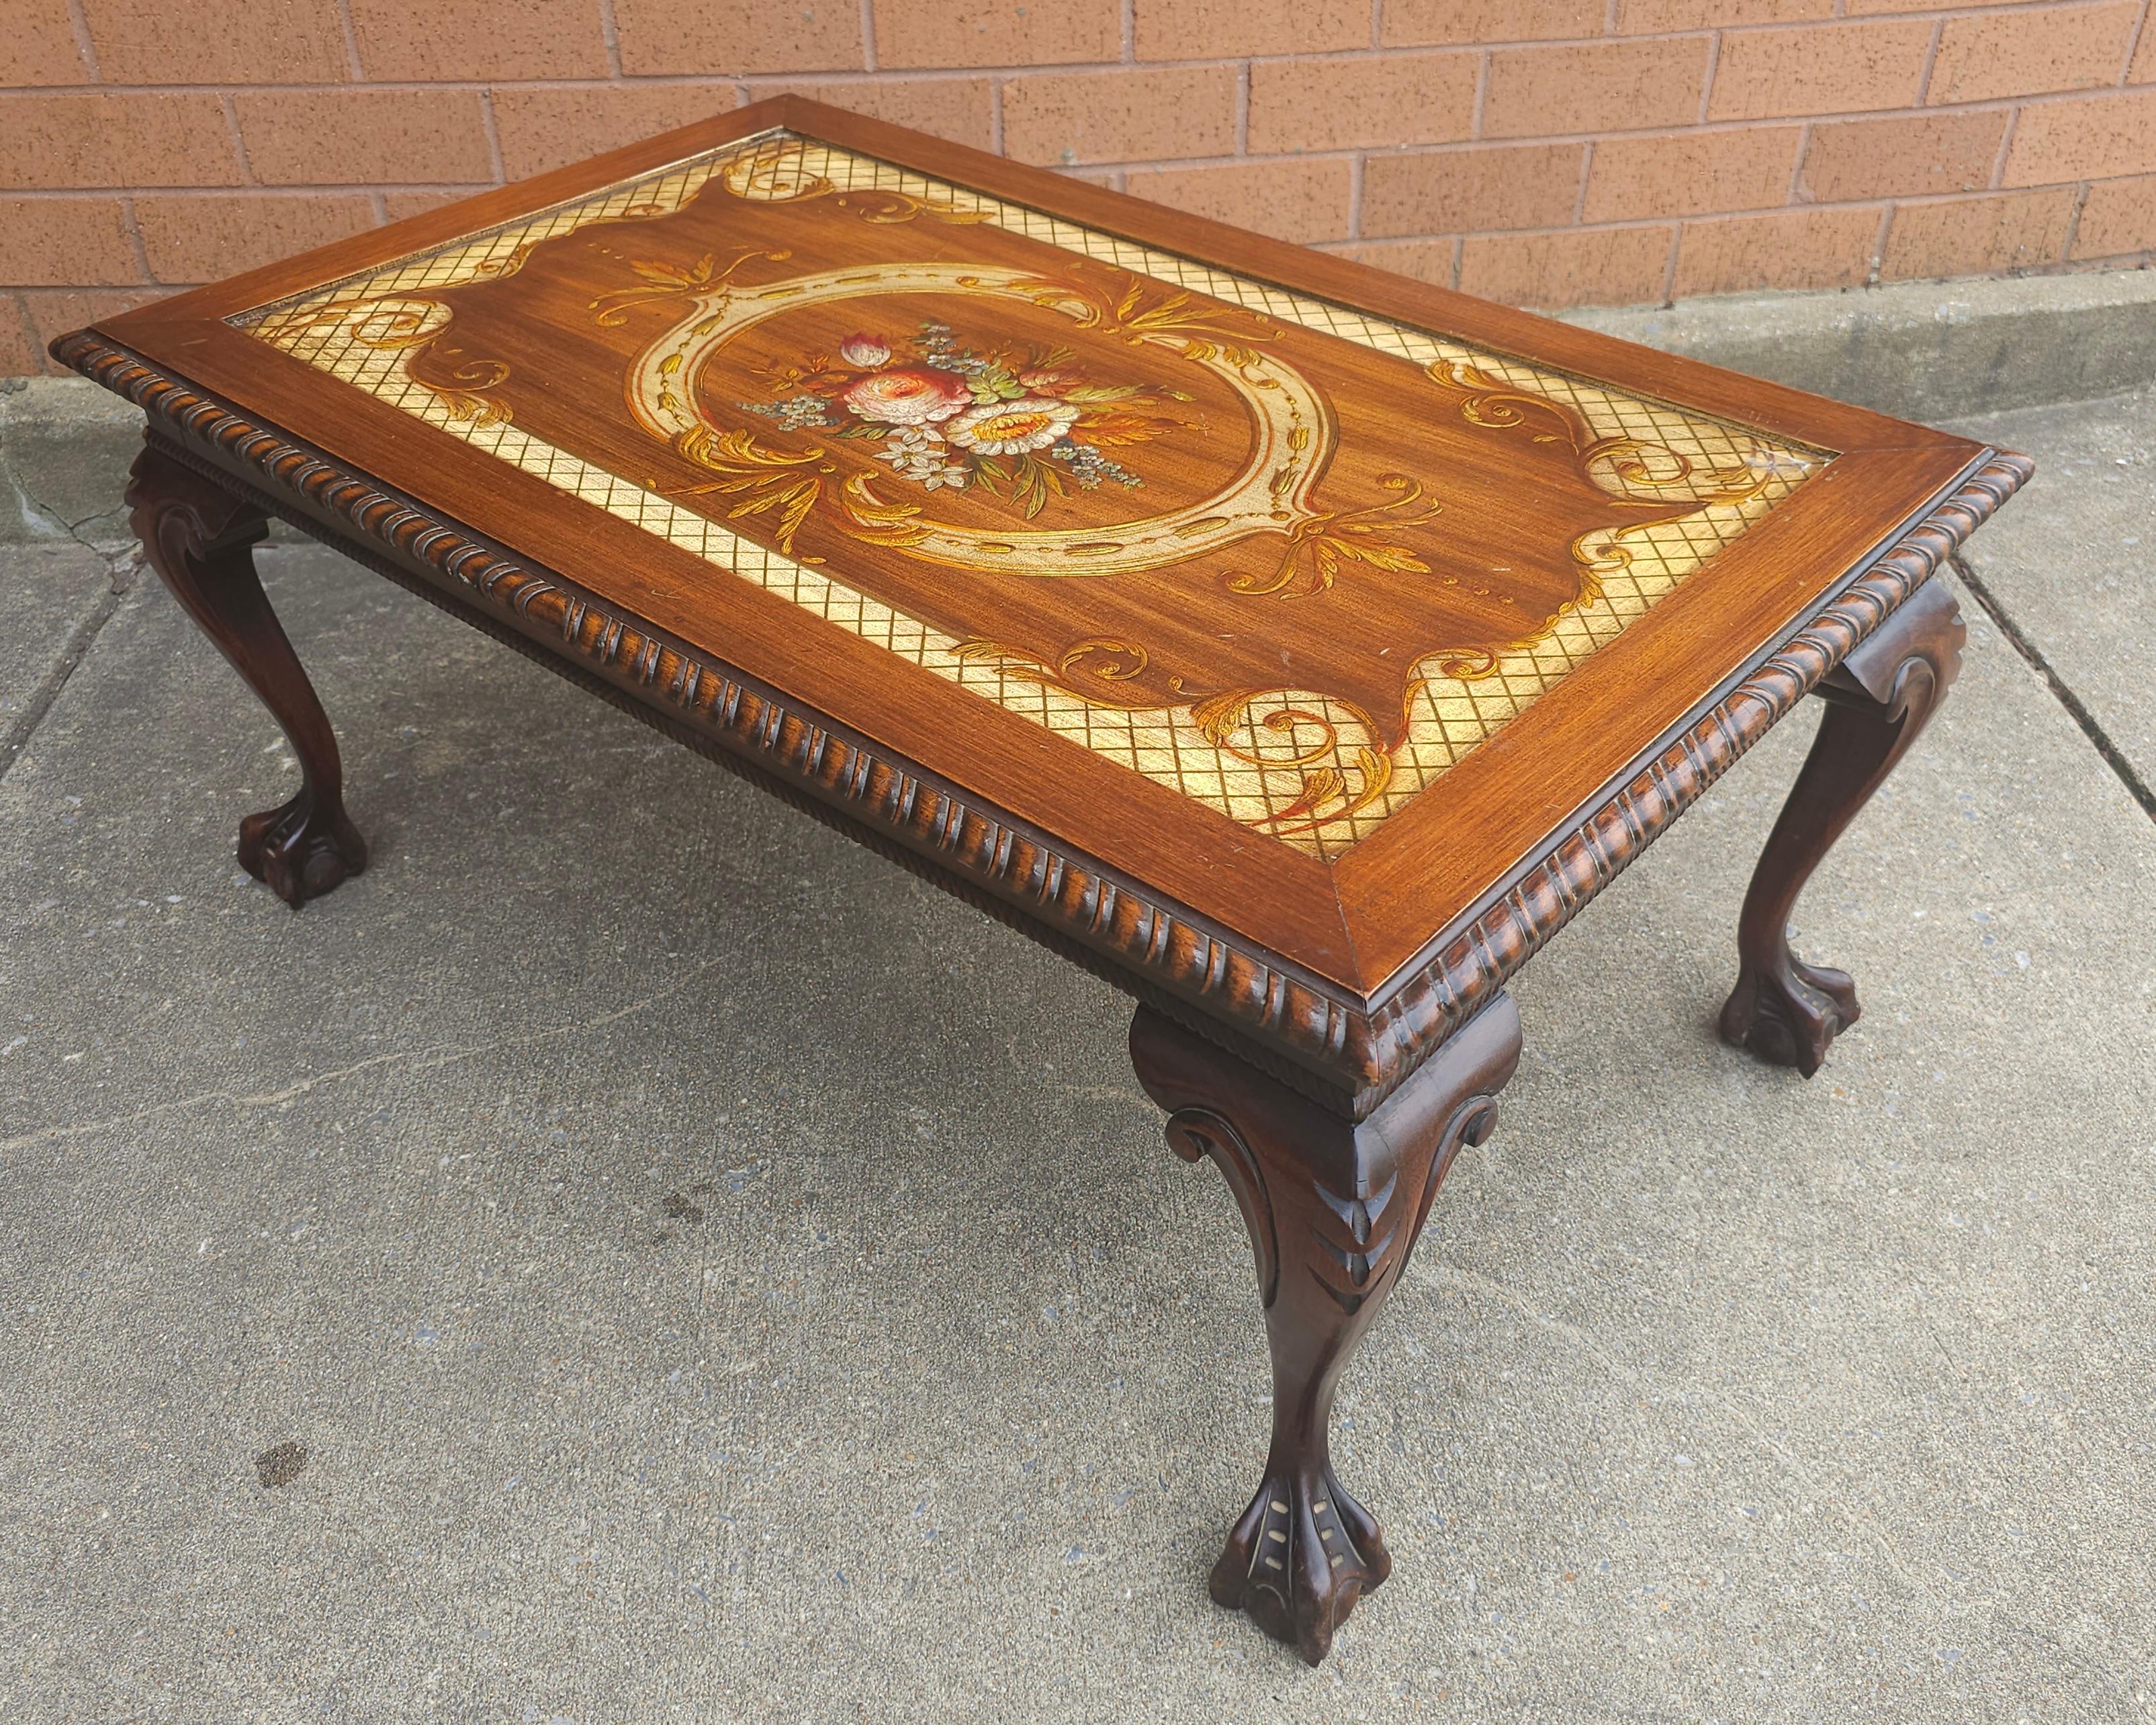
[1548, 152]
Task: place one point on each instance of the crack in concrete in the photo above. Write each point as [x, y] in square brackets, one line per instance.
[1859, 1522]
[121, 563]
[36, 509]
[17, 740]
[2092, 727]
[419, 1059]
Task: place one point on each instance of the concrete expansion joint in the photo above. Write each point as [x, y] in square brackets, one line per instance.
[17, 737]
[2100, 740]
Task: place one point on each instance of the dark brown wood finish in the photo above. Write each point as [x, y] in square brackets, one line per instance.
[1333, 1210]
[1347, 1051]
[1877, 700]
[1357, 925]
[1328, 1030]
[200, 537]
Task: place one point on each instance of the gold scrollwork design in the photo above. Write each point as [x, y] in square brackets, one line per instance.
[1617, 464]
[384, 323]
[1222, 717]
[660, 280]
[788, 488]
[1274, 740]
[471, 402]
[407, 325]
[1320, 543]
[782, 175]
[766, 482]
[1095, 659]
[1268, 495]
[1134, 315]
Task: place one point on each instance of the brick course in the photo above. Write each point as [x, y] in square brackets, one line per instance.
[1546, 152]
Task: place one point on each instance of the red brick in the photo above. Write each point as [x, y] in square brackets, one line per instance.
[959, 109]
[37, 46]
[675, 36]
[2091, 138]
[1789, 248]
[1640, 15]
[204, 238]
[1585, 266]
[2143, 68]
[54, 312]
[2119, 218]
[1820, 69]
[1430, 23]
[1455, 191]
[1692, 173]
[1984, 57]
[1348, 104]
[65, 241]
[21, 354]
[1433, 260]
[68, 142]
[1971, 236]
[1120, 116]
[423, 39]
[1304, 201]
[543, 129]
[1852, 159]
[1608, 87]
[1860, 8]
[217, 42]
[361, 137]
[995, 33]
[1206, 29]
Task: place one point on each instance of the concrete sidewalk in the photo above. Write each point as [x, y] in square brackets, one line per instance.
[680, 1267]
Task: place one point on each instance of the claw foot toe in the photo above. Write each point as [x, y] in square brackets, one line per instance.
[1300, 1557]
[1790, 1015]
[299, 851]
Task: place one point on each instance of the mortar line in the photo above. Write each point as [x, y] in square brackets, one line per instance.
[351, 41]
[610, 34]
[85, 49]
[2099, 739]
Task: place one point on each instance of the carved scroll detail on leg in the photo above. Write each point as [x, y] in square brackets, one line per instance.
[1878, 700]
[1333, 1208]
[1193, 1132]
[200, 539]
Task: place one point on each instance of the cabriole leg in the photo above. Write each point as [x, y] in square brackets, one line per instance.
[1333, 1209]
[200, 538]
[1878, 699]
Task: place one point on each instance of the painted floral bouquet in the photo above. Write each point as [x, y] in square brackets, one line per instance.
[1017, 425]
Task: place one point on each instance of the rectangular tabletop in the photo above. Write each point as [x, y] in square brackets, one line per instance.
[1317, 602]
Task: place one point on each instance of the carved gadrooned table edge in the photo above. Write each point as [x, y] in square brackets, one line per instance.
[1324, 1045]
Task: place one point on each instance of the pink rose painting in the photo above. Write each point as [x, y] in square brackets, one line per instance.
[907, 395]
[1022, 426]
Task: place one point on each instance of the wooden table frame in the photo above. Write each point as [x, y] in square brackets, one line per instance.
[1330, 1071]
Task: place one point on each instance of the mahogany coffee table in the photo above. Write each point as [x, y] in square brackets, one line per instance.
[1294, 646]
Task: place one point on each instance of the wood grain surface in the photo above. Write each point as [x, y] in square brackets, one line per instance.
[1349, 954]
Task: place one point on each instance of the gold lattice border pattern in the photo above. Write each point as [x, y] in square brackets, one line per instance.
[1448, 716]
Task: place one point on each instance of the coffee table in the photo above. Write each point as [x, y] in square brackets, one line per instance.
[1294, 646]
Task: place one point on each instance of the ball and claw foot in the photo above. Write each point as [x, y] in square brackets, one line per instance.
[1790, 1015]
[298, 851]
[1300, 1557]
[1333, 1206]
[200, 538]
[1879, 699]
